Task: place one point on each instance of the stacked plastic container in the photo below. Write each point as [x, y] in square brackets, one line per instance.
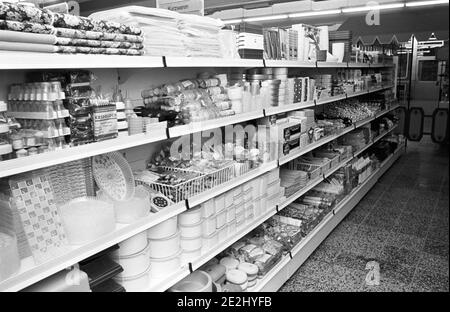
[5, 140]
[39, 109]
[165, 248]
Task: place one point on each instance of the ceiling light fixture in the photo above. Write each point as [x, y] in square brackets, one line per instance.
[423, 3]
[374, 7]
[266, 18]
[315, 13]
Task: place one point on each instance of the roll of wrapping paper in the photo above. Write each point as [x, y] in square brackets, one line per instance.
[25, 13]
[27, 47]
[17, 36]
[26, 27]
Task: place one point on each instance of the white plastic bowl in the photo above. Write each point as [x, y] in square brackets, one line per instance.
[164, 229]
[161, 267]
[86, 219]
[134, 208]
[198, 281]
[191, 244]
[132, 245]
[191, 231]
[190, 217]
[134, 283]
[135, 264]
[165, 247]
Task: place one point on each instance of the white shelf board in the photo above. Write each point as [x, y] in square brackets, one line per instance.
[287, 108]
[284, 269]
[30, 60]
[380, 65]
[24, 164]
[225, 187]
[331, 99]
[174, 61]
[290, 64]
[331, 65]
[213, 123]
[358, 65]
[30, 273]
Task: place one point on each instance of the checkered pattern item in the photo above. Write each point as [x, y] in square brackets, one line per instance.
[34, 199]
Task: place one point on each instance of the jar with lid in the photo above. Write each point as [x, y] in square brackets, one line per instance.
[5, 143]
[17, 141]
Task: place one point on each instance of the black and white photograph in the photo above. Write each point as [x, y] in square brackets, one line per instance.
[229, 154]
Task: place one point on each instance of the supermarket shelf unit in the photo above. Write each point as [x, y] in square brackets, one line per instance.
[31, 273]
[166, 283]
[20, 165]
[289, 264]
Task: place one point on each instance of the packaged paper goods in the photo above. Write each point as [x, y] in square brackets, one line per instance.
[24, 27]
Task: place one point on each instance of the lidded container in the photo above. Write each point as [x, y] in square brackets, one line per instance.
[5, 140]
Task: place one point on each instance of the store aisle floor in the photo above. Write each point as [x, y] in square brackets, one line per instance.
[402, 223]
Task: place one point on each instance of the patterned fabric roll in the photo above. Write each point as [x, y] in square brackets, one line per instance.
[92, 50]
[98, 43]
[84, 23]
[26, 27]
[96, 35]
[25, 13]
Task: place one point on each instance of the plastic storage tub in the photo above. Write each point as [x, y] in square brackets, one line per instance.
[190, 217]
[9, 254]
[132, 245]
[135, 264]
[161, 267]
[164, 229]
[191, 231]
[165, 247]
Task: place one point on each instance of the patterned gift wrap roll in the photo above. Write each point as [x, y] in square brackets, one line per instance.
[114, 27]
[84, 23]
[98, 43]
[72, 21]
[91, 50]
[25, 13]
[96, 35]
[26, 27]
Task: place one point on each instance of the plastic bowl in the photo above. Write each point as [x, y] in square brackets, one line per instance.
[86, 219]
[198, 281]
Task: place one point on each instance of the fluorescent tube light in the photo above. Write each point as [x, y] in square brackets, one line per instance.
[373, 7]
[423, 3]
[266, 18]
[315, 13]
[233, 21]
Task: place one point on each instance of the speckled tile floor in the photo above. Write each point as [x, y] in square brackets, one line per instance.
[402, 223]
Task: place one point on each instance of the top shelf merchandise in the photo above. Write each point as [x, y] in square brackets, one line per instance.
[171, 39]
